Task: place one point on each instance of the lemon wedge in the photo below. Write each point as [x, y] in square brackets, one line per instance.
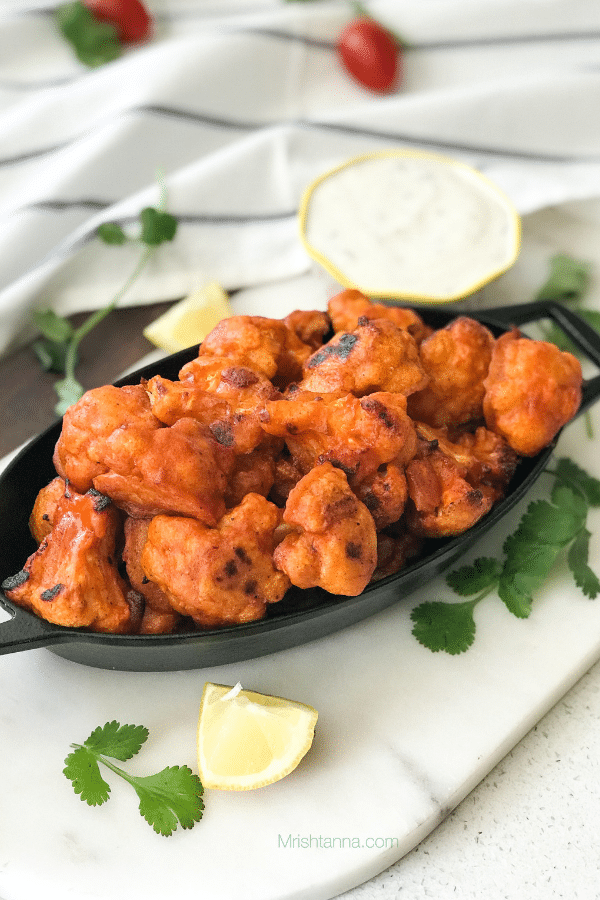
[189, 321]
[247, 740]
[409, 226]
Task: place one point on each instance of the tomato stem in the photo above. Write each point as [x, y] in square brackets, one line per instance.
[362, 12]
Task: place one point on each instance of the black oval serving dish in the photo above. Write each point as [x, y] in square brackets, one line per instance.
[303, 615]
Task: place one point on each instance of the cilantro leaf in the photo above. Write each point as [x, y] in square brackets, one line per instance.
[83, 771]
[577, 558]
[51, 355]
[521, 578]
[94, 42]
[68, 391]
[531, 551]
[444, 626]
[568, 471]
[171, 796]
[111, 233]
[545, 523]
[571, 503]
[54, 327]
[157, 226]
[51, 349]
[482, 575]
[568, 280]
[117, 741]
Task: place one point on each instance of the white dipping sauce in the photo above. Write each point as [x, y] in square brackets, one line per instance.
[402, 225]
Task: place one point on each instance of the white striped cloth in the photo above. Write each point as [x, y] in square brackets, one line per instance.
[240, 103]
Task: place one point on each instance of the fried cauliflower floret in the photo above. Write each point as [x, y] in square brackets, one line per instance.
[356, 435]
[443, 502]
[243, 388]
[178, 470]
[384, 494]
[72, 578]
[286, 476]
[252, 473]
[89, 423]
[218, 576]
[532, 389]
[310, 326]
[451, 485]
[376, 356]
[332, 543]
[158, 617]
[206, 372]
[41, 520]
[488, 461]
[232, 425]
[493, 461]
[173, 400]
[394, 551]
[347, 307]
[265, 345]
[456, 359]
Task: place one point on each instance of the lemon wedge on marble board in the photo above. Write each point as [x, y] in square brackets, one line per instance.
[409, 225]
[188, 321]
[247, 740]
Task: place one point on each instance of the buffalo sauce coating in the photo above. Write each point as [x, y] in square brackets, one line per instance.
[321, 450]
[72, 578]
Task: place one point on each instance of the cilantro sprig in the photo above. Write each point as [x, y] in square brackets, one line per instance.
[548, 529]
[57, 350]
[170, 798]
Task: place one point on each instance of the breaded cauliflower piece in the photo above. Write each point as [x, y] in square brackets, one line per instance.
[456, 359]
[264, 345]
[72, 577]
[453, 484]
[347, 307]
[355, 435]
[333, 542]
[218, 576]
[375, 356]
[532, 389]
[89, 423]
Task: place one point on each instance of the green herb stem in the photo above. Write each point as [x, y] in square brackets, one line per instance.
[116, 769]
[90, 323]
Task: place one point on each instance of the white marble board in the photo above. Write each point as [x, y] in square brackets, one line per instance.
[403, 735]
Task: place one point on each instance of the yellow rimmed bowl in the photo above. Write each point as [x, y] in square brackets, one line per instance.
[410, 226]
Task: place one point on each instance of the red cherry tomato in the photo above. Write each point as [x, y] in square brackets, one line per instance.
[130, 17]
[370, 54]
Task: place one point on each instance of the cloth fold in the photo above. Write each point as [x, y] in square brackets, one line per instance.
[240, 105]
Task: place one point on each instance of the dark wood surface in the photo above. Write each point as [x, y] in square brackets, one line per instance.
[27, 397]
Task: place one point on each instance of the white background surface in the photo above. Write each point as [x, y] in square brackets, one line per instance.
[509, 86]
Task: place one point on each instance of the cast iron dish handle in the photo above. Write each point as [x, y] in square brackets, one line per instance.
[25, 631]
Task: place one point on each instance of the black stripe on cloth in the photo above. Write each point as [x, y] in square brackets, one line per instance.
[463, 147]
[506, 40]
[341, 128]
[160, 111]
[61, 205]
[67, 248]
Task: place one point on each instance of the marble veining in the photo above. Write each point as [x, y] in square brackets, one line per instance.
[403, 736]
